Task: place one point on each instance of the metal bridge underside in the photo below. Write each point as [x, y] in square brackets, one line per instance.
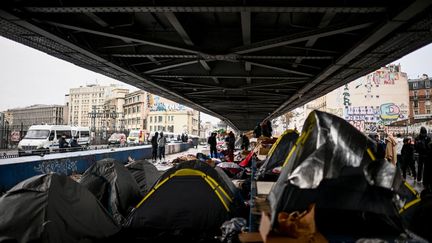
[241, 61]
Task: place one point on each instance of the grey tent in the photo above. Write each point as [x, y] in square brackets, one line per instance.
[278, 154]
[113, 185]
[334, 165]
[145, 174]
[53, 208]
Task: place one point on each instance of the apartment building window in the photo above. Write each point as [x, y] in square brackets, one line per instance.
[138, 109]
[415, 94]
[151, 119]
[428, 106]
[415, 104]
[427, 84]
[160, 119]
[138, 98]
[151, 128]
[427, 93]
[415, 85]
[133, 109]
[129, 110]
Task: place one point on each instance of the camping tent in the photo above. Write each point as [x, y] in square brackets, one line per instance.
[278, 154]
[333, 165]
[53, 208]
[113, 185]
[192, 196]
[145, 174]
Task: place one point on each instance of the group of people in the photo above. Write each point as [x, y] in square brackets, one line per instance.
[263, 129]
[230, 143]
[401, 153]
[63, 144]
[158, 142]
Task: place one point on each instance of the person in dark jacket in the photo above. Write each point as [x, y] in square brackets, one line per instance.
[212, 142]
[257, 131]
[63, 144]
[154, 143]
[407, 155]
[74, 142]
[245, 142]
[422, 148]
[231, 145]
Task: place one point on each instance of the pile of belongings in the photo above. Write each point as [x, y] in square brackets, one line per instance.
[334, 166]
[184, 158]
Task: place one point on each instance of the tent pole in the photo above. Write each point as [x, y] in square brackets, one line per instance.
[252, 196]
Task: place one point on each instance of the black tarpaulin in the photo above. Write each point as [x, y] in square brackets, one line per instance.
[278, 154]
[113, 185]
[333, 165]
[192, 196]
[53, 208]
[145, 174]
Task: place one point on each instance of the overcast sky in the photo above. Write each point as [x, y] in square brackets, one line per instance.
[28, 76]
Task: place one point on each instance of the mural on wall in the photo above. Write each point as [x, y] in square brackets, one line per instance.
[160, 104]
[374, 101]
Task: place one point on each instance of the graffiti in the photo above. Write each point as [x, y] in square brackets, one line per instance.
[362, 113]
[382, 77]
[158, 105]
[389, 111]
[61, 166]
[358, 124]
[370, 127]
[386, 112]
[346, 96]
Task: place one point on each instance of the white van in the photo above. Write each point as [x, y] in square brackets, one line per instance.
[43, 138]
[83, 134]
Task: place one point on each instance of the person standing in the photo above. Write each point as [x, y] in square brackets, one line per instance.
[407, 161]
[422, 148]
[161, 144]
[154, 143]
[245, 142]
[390, 151]
[257, 131]
[212, 142]
[231, 145]
[400, 143]
[63, 144]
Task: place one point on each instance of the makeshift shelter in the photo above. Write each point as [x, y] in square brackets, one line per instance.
[333, 165]
[113, 185]
[145, 174]
[190, 197]
[278, 154]
[53, 208]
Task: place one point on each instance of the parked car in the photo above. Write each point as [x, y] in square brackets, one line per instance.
[116, 138]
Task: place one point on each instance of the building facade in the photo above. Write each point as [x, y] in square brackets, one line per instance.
[178, 122]
[168, 116]
[370, 103]
[23, 118]
[87, 105]
[136, 110]
[420, 99]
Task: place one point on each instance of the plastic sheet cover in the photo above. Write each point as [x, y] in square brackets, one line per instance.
[53, 208]
[114, 186]
[333, 164]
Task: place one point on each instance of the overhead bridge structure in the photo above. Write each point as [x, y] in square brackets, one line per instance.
[239, 60]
